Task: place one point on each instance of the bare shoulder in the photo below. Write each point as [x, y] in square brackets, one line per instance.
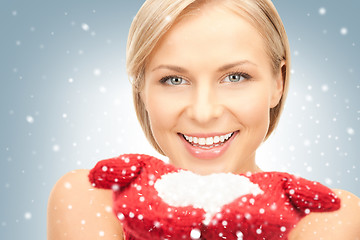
[341, 224]
[76, 210]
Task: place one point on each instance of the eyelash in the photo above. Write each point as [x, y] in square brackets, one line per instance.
[241, 74]
[166, 78]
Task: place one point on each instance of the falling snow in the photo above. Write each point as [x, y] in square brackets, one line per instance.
[85, 27]
[29, 119]
[350, 131]
[76, 109]
[28, 215]
[121, 216]
[344, 31]
[328, 181]
[97, 72]
[68, 185]
[324, 88]
[108, 209]
[322, 11]
[102, 89]
[195, 234]
[239, 235]
[56, 148]
[168, 18]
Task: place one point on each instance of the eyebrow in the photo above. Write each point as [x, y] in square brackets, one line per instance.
[231, 65]
[220, 69]
[171, 67]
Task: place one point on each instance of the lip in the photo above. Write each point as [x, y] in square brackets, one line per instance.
[211, 153]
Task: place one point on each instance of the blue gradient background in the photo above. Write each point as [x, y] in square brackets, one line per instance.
[65, 100]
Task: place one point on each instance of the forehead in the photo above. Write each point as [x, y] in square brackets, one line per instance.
[211, 31]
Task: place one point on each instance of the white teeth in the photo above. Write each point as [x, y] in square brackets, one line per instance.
[209, 140]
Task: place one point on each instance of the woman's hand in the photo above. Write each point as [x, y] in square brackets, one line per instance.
[269, 213]
[341, 224]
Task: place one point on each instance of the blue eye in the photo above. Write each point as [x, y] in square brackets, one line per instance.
[173, 80]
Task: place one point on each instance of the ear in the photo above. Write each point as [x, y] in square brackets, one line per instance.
[278, 89]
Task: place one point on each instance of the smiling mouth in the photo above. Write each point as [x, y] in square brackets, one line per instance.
[208, 142]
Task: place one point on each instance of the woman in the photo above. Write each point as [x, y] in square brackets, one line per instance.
[209, 82]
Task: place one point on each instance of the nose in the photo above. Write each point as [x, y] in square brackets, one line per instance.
[205, 106]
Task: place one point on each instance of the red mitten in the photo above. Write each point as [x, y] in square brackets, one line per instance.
[155, 200]
[116, 172]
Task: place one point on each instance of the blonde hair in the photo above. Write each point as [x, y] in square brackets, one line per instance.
[156, 17]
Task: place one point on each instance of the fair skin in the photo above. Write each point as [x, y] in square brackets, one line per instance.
[80, 211]
[205, 103]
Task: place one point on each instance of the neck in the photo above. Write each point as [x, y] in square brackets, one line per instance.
[248, 166]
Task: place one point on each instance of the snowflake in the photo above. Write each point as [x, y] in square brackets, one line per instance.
[195, 234]
[322, 11]
[67, 185]
[344, 31]
[29, 119]
[85, 27]
[350, 131]
[56, 148]
[324, 88]
[97, 72]
[239, 235]
[28, 215]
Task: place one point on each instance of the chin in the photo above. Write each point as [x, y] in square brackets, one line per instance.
[206, 167]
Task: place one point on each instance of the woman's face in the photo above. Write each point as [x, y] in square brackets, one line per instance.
[208, 89]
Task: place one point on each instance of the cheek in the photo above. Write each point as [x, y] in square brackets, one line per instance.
[252, 109]
[162, 110]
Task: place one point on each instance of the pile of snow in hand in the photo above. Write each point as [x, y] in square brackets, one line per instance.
[210, 192]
